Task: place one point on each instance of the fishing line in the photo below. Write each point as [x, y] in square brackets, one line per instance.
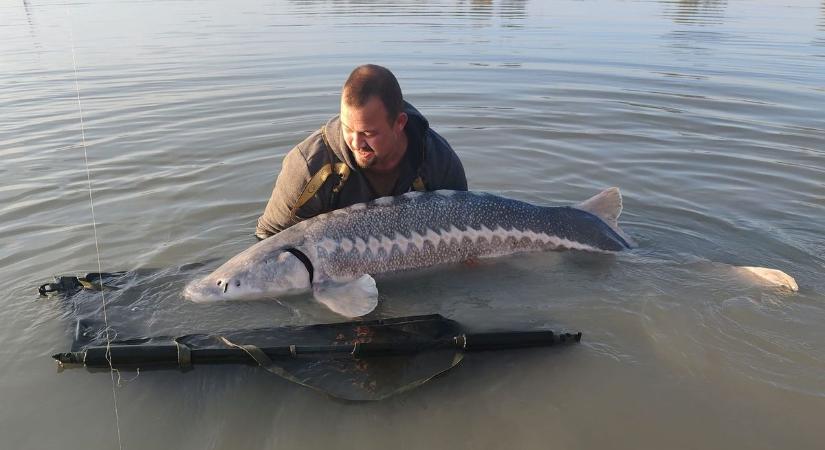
[94, 229]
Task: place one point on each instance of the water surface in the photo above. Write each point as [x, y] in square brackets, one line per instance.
[707, 114]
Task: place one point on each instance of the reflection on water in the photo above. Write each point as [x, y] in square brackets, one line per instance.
[697, 42]
[696, 12]
[820, 40]
[513, 9]
[510, 8]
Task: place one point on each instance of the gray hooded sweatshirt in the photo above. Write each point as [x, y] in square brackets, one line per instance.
[428, 156]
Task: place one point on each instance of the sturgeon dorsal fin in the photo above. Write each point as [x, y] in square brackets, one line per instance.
[607, 205]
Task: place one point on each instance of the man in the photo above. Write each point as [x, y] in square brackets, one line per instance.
[379, 145]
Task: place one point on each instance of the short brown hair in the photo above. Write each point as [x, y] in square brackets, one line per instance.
[371, 80]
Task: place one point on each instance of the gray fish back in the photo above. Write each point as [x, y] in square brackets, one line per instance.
[423, 229]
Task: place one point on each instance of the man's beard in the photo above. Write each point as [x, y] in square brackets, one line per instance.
[364, 164]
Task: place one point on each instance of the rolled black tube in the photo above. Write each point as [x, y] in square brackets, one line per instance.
[517, 339]
[377, 349]
[166, 355]
[132, 355]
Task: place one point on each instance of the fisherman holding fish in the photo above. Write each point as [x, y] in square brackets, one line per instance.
[380, 148]
[379, 145]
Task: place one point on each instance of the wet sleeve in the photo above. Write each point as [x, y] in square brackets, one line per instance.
[291, 180]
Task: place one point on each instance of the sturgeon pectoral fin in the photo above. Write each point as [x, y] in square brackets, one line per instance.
[354, 299]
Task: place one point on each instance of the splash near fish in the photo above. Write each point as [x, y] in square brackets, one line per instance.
[335, 254]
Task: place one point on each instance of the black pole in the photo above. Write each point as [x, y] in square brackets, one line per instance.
[170, 355]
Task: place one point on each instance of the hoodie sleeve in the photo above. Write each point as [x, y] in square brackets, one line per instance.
[291, 180]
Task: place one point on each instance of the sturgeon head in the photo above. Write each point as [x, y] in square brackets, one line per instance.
[272, 269]
[261, 271]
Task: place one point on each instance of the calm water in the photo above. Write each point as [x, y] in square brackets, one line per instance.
[708, 114]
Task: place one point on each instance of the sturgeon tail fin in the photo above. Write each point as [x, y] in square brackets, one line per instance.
[607, 205]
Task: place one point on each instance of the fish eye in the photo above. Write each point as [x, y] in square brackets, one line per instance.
[219, 282]
[238, 283]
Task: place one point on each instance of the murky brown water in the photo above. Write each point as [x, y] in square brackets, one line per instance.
[708, 114]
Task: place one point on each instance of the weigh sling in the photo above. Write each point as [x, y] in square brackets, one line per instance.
[335, 254]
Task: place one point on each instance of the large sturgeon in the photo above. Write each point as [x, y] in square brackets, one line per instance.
[334, 254]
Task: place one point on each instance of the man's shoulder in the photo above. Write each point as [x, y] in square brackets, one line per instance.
[312, 150]
[437, 146]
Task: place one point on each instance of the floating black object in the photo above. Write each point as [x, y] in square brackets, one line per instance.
[362, 360]
[357, 360]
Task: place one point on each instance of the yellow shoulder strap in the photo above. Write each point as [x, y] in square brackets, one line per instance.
[317, 180]
[312, 186]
